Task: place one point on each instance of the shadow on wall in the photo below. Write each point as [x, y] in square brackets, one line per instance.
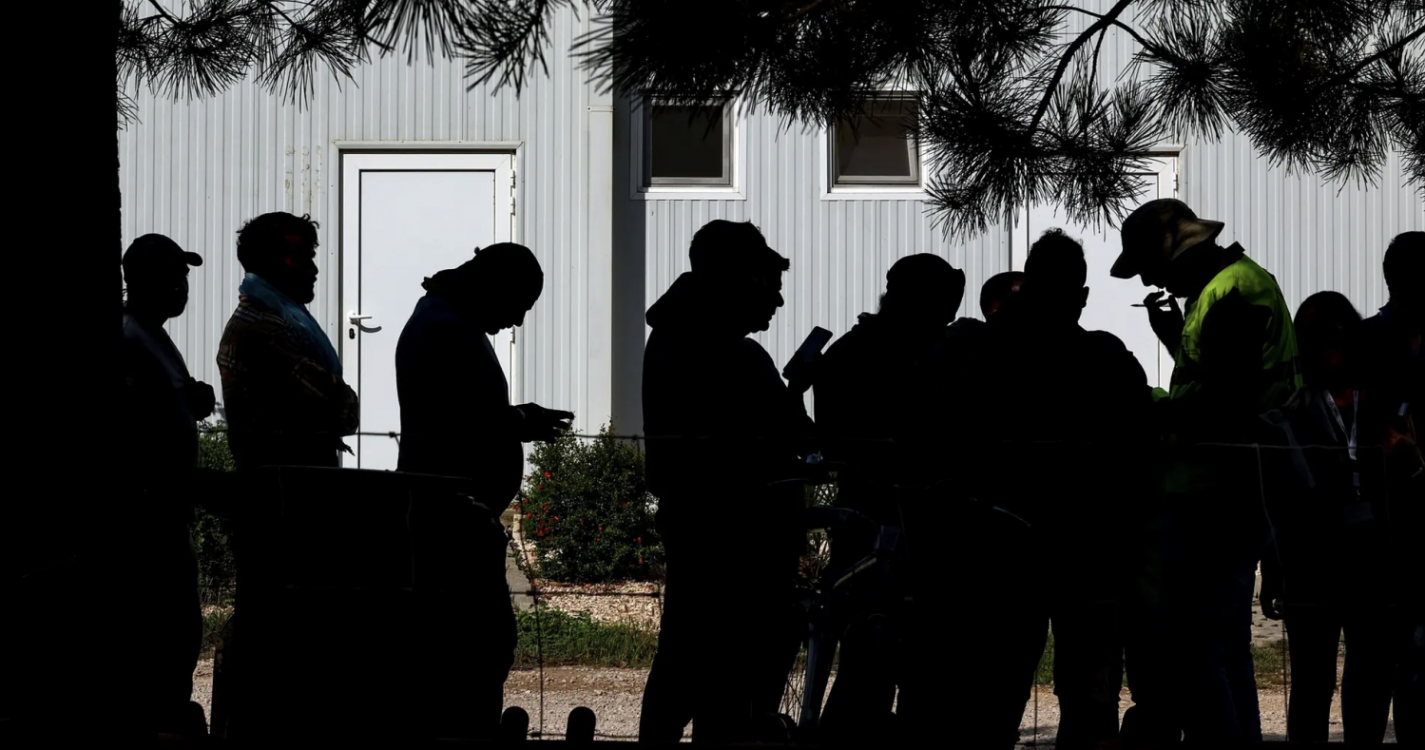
[630, 245]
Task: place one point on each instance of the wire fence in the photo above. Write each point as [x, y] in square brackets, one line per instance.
[598, 636]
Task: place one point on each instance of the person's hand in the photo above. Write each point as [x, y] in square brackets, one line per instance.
[541, 424]
[201, 399]
[1165, 317]
[802, 375]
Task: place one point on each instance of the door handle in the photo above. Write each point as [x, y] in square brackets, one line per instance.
[356, 318]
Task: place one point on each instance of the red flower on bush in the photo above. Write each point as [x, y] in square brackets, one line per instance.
[529, 515]
[639, 540]
[546, 475]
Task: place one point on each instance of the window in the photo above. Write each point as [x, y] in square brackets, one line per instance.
[688, 145]
[879, 148]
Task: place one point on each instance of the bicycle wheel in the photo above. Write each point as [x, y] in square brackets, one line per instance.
[813, 563]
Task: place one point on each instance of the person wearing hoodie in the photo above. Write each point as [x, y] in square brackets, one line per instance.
[723, 430]
[860, 391]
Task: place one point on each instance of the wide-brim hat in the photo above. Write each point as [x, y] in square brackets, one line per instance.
[1158, 232]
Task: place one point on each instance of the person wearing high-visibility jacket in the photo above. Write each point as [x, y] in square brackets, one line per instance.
[1235, 357]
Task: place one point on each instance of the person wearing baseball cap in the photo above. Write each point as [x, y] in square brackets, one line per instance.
[160, 410]
[1235, 357]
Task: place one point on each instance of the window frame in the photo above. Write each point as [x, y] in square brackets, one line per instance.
[875, 188]
[648, 183]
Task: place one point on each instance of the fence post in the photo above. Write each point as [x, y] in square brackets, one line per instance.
[581, 725]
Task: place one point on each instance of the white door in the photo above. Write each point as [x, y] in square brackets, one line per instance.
[1110, 300]
[405, 217]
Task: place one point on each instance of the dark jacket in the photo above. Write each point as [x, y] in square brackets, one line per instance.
[456, 416]
[870, 381]
[1064, 420]
[1324, 552]
[722, 424]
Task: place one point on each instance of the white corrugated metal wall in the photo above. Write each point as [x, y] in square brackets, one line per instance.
[196, 170]
[1312, 237]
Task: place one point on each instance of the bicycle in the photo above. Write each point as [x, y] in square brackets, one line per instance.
[863, 594]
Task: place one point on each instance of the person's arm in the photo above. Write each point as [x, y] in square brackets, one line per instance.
[331, 397]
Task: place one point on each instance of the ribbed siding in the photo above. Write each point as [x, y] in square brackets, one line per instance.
[196, 170]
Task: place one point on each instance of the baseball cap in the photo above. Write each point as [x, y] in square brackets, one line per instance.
[153, 252]
[1158, 232]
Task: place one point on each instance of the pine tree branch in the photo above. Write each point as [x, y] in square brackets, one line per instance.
[1113, 21]
[1102, 23]
[299, 28]
[1377, 57]
[162, 11]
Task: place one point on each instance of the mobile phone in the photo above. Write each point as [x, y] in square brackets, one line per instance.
[814, 343]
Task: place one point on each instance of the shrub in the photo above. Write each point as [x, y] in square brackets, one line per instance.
[587, 511]
[217, 567]
[564, 639]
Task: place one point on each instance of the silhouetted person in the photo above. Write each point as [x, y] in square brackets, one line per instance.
[1214, 527]
[722, 426]
[860, 390]
[457, 421]
[158, 438]
[997, 290]
[1393, 378]
[285, 399]
[1072, 463]
[860, 381]
[1330, 542]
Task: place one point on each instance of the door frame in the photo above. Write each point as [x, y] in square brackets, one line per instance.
[352, 164]
[1165, 164]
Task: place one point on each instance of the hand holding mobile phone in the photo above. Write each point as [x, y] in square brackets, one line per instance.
[815, 342]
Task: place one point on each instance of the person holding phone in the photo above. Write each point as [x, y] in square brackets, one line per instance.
[457, 421]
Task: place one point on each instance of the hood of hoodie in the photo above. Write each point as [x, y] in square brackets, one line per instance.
[679, 306]
[690, 305]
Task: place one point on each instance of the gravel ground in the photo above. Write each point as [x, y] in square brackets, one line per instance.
[615, 694]
[633, 603]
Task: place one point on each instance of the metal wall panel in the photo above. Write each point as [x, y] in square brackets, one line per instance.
[195, 170]
[1303, 230]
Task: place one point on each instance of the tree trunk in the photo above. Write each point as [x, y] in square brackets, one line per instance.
[68, 643]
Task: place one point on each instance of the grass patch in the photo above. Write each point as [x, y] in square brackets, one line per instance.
[1044, 674]
[566, 639]
[1269, 663]
[214, 619]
